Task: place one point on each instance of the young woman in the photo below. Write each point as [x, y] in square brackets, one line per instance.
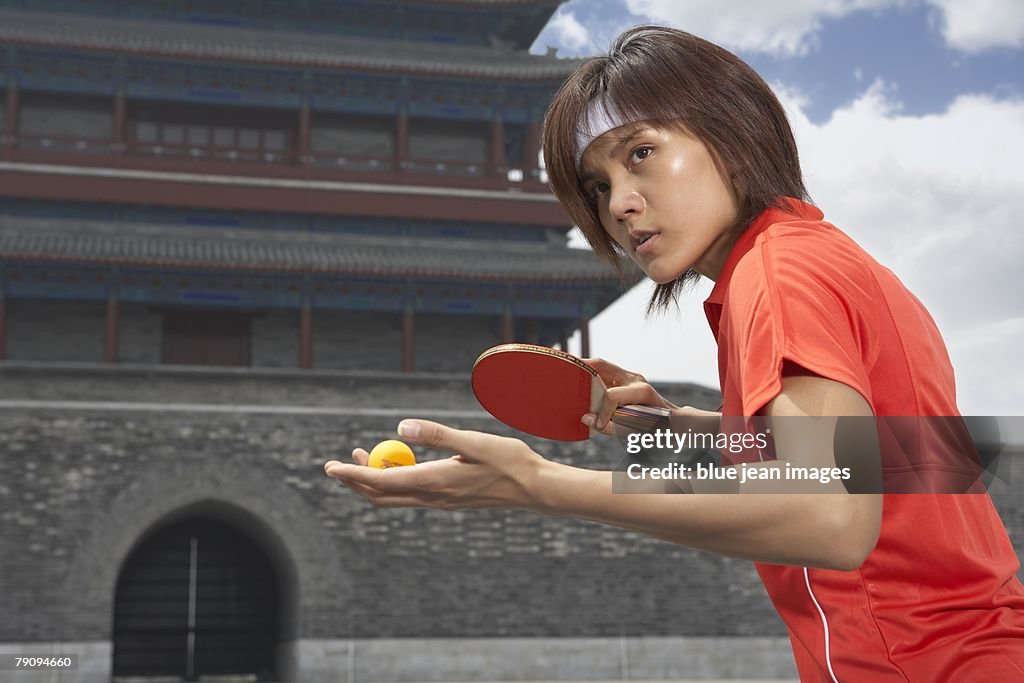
[672, 152]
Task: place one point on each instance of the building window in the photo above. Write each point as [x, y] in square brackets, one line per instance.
[211, 132]
[64, 122]
[223, 137]
[198, 135]
[172, 135]
[449, 146]
[358, 142]
[274, 140]
[248, 139]
[147, 131]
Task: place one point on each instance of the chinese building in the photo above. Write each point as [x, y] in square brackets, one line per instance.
[189, 184]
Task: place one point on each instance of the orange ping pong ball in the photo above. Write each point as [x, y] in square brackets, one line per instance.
[390, 453]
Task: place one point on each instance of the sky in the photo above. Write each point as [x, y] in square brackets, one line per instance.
[909, 117]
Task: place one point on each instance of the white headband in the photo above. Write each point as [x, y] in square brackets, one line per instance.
[602, 116]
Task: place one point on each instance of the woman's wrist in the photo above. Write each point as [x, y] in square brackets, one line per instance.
[548, 486]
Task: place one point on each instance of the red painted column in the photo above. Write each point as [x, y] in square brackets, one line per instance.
[498, 162]
[10, 116]
[585, 338]
[119, 133]
[302, 144]
[110, 347]
[306, 335]
[408, 340]
[3, 327]
[401, 140]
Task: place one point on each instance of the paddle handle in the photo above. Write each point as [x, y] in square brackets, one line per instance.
[642, 418]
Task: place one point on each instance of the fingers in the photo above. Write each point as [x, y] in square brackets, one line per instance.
[485, 471]
[437, 435]
[610, 374]
[621, 396]
[423, 485]
[393, 479]
[638, 392]
[601, 420]
[590, 419]
[608, 406]
[600, 364]
[359, 456]
[380, 498]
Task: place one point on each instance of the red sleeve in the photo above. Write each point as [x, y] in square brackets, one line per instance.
[801, 300]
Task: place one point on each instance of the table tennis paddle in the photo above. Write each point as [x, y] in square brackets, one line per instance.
[544, 392]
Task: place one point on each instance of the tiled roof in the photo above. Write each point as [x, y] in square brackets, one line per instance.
[45, 240]
[197, 41]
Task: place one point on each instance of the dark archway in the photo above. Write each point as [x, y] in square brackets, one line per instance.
[197, 598]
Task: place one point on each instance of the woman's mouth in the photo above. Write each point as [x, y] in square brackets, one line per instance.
[646, 243]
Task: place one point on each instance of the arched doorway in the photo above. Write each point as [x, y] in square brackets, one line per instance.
[197, 599]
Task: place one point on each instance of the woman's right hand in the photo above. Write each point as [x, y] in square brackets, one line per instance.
[623, 387]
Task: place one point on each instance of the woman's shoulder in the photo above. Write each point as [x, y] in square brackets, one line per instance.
[799, 253]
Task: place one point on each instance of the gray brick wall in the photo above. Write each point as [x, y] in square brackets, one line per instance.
[450, 343]
[356, 340]
[39, 329]
[140, 334]
[275, 339]
[81, 487]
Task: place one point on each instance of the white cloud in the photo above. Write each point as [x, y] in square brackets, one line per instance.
[569, 31]
[782, 27]
[937, 198]
[983, 351]
[976, 25]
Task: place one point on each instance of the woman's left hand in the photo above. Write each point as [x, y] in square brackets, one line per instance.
[487, 471]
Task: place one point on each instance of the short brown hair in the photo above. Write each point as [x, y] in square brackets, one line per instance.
[671, 78]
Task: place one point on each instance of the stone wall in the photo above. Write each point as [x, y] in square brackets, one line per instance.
[357, 340]
[84, 486]
[141, 333]
[94, 457]
[47, 330]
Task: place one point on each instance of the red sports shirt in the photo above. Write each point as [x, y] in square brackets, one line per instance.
[937, 600]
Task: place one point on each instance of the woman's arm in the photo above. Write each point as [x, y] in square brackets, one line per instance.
[829, 530]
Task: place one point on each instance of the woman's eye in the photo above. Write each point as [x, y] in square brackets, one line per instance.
[641, 153]
[598, 189]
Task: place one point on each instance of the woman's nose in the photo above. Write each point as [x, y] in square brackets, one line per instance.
[626, 202]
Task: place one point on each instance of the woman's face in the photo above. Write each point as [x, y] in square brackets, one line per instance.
[660, 196]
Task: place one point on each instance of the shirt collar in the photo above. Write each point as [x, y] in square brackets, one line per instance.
[794, 209]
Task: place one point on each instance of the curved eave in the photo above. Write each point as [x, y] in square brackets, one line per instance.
[248, 46]
[258, 269]
[157, 246]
